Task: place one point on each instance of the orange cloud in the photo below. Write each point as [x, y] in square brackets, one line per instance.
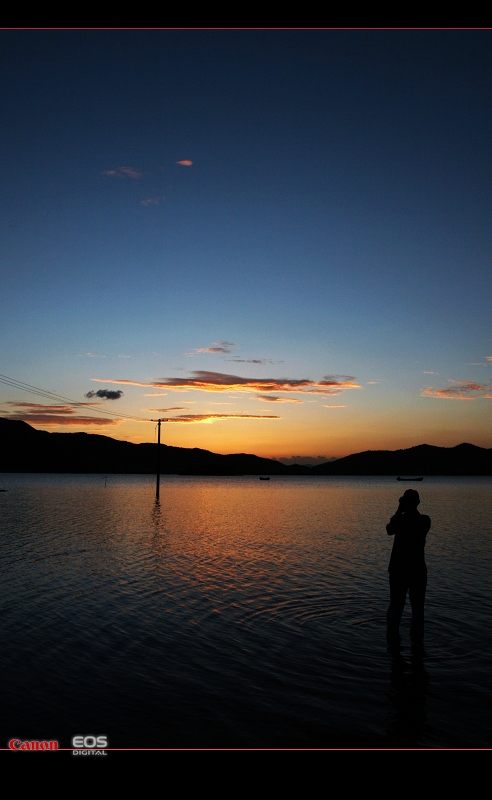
[39, 414]
[56, 419]
[462, 390]
[220, 382]
[34, 406]
[327, 406]
[213, 417]
[185, 163]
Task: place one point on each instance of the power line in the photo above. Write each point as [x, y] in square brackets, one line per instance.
[27, 387]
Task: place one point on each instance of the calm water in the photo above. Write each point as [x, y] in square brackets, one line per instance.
[239, 613]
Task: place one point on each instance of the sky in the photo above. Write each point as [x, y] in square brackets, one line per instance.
[278, 241]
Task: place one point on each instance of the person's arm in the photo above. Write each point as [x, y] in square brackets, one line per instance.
[393, 524]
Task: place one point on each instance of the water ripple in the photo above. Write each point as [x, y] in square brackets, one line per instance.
[237, 613]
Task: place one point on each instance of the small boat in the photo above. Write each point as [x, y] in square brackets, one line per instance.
[409, 479]
[264, 479]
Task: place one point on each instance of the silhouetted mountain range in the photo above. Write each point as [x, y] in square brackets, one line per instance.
[424, 459]
[25, 449]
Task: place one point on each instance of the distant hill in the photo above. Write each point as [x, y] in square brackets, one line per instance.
[425, 459]
[25, 449]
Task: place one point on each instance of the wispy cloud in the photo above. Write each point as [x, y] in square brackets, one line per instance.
[325, 405]
[51, 415]
[220, 382]
[163, 410]
[211, 350]
[461, 390]
[91, 355]
[215, 417]
[247, 360]
[218, 347]
[55, 409]
[273, 398]
[48, 419]
[123, 172]
[106, 394]
[151, 394]
[151, 201]
[254, 361]
[185, 162]
[127, 382]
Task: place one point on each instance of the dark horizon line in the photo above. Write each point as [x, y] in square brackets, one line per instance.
[270, 458]
[27, 449]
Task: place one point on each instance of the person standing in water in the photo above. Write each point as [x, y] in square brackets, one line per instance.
[407, 568]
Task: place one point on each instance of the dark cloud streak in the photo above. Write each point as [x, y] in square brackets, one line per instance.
[107, 394]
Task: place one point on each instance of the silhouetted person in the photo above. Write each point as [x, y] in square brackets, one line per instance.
[407, 569]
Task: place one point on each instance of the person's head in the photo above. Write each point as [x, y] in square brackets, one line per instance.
[410, 498]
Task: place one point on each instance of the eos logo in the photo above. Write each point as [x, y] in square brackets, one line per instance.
[89, 745]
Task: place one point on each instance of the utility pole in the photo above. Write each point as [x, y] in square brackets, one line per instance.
[158, 477]
[158, 465]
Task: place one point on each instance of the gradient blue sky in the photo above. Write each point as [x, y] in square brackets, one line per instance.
[335, 225]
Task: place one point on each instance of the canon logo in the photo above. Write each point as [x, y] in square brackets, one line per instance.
[17, 744]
